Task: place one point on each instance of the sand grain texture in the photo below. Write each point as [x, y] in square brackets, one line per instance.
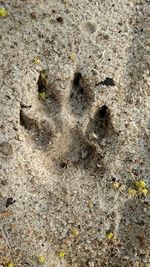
[75, 106]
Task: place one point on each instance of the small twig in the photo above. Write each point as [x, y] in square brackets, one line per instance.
[6, 236]
[8, 240]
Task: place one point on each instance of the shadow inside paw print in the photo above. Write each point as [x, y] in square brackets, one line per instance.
[84, 150]
[83, 154]
[47, 95]
[38, 121]
[80, 96]
[41, 135]
[101, 126]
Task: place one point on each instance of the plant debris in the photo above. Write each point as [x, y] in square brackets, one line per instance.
[61, 254]
[109, 235]
[3, 12]
[74, 232]
[10, 264]
[41, 260]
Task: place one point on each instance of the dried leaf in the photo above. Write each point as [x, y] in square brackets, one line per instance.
[116, 185]
[10, 264]
[75, 232]
[140, 184]
[61, 254]
[109, 236]
[3, 12]
[132, 192]
[42, 95]
[4, 214]
[73, 56]
[41, 260]
[37, 61]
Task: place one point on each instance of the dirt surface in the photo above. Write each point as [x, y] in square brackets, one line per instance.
[75, 133]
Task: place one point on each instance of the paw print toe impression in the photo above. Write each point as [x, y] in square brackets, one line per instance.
[80, 95]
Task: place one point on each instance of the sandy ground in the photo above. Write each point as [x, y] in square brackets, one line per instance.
[75, 133]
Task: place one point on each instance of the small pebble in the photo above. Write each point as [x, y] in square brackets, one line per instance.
[60, 20]
[33, 15]
[136, 264]
[9, 202]
[6, 148]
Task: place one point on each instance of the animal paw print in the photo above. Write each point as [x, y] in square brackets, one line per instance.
[70, 123]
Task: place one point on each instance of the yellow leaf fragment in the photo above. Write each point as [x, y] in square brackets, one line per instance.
[140, 184]
[144, 191]
[43, 76]
[73, 56]
[75, 232]
[132, 192]
[61, 254]
[10, 264]
[141, 187]
[37, 61]
[122, 187]
[42, 95]
[109, 236]
[41, 260]
[90, 204]
[3, 12]
[116, 185]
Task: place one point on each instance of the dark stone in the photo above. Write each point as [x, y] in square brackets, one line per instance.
[108, 82]
[60, 20]
[9, 202]
[63, 164]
